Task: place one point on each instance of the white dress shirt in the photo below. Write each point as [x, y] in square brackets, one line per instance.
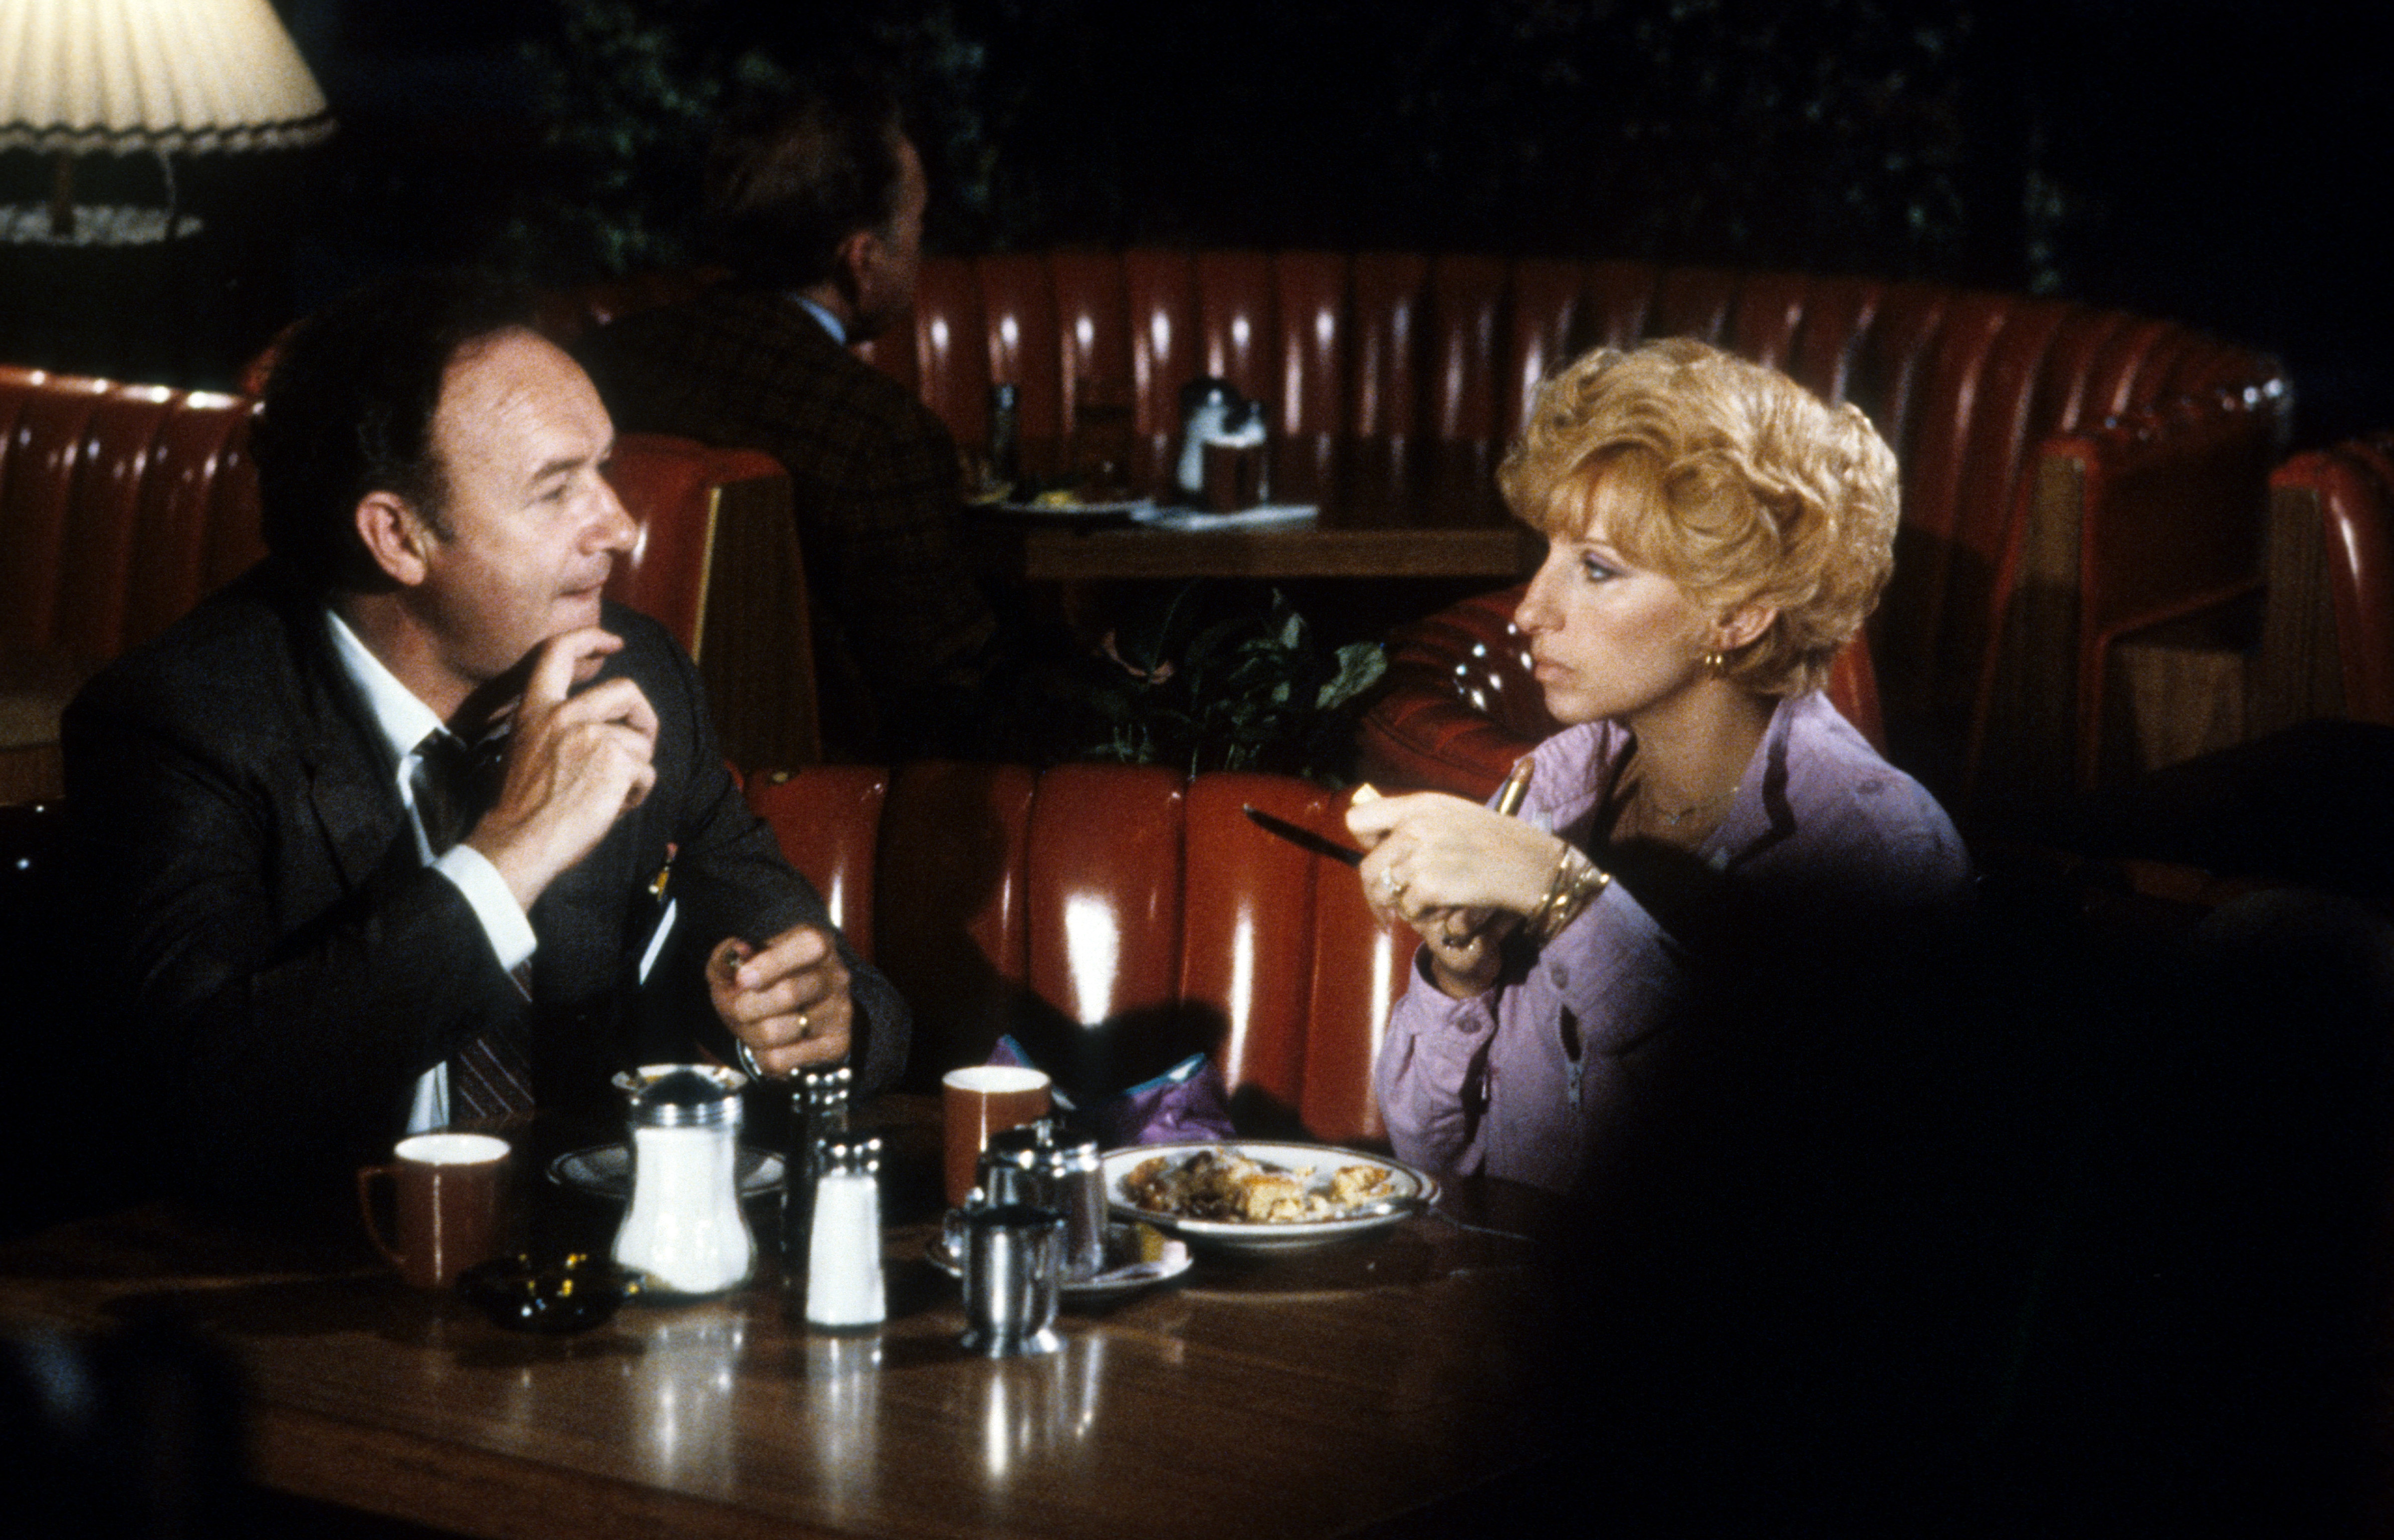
[405, 722]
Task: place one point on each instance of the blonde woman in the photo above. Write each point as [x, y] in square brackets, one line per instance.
[1716, 534]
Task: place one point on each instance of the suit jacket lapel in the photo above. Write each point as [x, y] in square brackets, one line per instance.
[351, 780]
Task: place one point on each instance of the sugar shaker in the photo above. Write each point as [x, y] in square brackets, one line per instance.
[684, 1230]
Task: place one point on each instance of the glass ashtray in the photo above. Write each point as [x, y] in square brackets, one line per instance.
[571, 1294]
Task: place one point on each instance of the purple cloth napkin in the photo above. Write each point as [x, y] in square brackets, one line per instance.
[1187, 1101]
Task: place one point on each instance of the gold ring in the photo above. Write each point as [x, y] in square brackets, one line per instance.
[805, 1028]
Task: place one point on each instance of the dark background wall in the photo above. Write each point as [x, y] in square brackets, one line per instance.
[2211, 163]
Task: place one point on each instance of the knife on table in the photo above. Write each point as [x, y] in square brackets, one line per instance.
[1297, 834]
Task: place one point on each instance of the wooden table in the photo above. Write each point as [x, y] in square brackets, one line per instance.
[1310, 1396]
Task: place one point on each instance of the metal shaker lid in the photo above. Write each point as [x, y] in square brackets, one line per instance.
[860, 1156]
[686, 1096]
[1070, 1152]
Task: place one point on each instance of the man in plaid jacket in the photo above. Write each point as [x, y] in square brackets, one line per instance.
[815, 202]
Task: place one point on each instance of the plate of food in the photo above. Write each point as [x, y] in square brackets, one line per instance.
[1262, 1196]
[1133, 1262]
[1068, 508]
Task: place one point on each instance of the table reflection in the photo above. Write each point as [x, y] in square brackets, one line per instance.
[843, 1388]
[1033, 1409]
[684, 1383]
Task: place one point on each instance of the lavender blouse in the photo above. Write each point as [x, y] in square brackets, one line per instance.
[1517, 1082]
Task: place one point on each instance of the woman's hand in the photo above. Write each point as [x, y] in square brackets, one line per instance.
[1461, 875]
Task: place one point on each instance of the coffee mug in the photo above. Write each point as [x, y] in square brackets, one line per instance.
[447, 1191]
[1234, 477]
[976, 1103]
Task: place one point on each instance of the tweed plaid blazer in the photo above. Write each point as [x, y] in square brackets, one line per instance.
[899, 609]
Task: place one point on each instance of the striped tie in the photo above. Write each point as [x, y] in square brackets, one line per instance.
[492, 1075]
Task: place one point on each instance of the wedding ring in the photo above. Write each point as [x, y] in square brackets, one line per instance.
[1395, 889]
[805, 1028]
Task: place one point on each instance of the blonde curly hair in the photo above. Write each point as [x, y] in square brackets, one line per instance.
[1740, 486]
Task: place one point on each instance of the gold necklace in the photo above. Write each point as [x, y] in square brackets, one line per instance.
[1673, 819]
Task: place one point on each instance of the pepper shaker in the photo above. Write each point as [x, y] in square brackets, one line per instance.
[844, 1286]
[819, 1111]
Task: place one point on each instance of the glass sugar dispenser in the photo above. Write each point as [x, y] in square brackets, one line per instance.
[685, 1230]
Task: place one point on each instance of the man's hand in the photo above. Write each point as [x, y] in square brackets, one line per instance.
[576, 764]
[789, 1003]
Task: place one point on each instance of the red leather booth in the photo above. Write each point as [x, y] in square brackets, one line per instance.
[1100, 895]
[2327, 646]
[2071, 475]
[121, 506]
[1460, 703]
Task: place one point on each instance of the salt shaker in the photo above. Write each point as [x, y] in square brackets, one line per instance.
[844, 1250]
[684, 1230]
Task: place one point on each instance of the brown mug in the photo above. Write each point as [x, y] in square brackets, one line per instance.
[978, 1101]
[447, 1191]
[1234, 477]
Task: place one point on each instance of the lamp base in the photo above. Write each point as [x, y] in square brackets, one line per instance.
[95, 225]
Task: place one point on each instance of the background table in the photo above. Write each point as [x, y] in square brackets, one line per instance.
[1308, 548]
[1317, 1395]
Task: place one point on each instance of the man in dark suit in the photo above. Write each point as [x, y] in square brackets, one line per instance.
[816, 203]
[322, 923]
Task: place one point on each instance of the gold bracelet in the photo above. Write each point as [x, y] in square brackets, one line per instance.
[1575, 884]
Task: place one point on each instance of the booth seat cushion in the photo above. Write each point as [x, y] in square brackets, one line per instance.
[2328, 631]
[1122, 915]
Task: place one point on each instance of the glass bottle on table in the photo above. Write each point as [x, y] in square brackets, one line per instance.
[1004, 442]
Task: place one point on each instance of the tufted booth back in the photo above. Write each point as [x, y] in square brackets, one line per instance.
[2052, 454]
[1090, 899]
[2327, 647]
[121, 505]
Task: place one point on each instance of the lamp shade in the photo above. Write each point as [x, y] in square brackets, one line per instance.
[174, 75]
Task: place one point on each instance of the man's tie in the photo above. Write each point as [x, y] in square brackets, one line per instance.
[454, 783]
